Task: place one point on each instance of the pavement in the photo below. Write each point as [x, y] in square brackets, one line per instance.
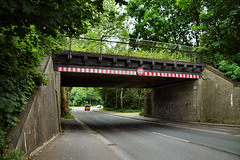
[78, 141]
[75, 143]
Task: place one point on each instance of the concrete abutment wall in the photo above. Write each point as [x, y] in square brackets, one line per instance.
[220, 98]
[40, 121]
[175, 102]
[212, 99]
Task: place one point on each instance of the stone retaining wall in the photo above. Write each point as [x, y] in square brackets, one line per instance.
[40, 121]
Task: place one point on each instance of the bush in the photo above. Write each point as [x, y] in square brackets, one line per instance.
[141, 113]
[122, 111]
[6, 153]
[108, 109]
[129, 110]
[13, 155]
[231, 69]
[68, 114]
[20, 77]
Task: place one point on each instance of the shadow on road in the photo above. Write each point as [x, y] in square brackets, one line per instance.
[70, 125]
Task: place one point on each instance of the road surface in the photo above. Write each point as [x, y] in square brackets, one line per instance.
[141, 140]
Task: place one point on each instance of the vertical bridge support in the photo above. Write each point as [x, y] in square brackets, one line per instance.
[178, 102]
[211, 99]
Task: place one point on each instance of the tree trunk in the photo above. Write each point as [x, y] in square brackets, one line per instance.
[64, 106]
[116, 100]
[121, 97]
[106, 100]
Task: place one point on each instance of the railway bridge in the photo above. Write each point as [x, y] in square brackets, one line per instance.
[117, 71]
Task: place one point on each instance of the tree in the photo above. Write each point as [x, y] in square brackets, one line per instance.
[212, 25]
[129, 98]
[79, 96]
[29, 29]
[160, 21]
[70, 17]
[192, 10]
[113, 21]
[108, 95]
[220, 27]
[217, 23]
[133, 98]
[121, 98]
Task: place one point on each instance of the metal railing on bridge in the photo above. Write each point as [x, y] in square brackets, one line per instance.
[102, 44]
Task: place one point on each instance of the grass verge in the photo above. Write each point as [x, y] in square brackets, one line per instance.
[141, 111]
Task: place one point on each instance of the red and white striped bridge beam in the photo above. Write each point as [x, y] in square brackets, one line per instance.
[128, 72]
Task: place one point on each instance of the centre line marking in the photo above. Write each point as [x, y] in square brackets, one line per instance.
[170, 137]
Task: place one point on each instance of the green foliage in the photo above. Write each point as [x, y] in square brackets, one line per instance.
[69, 17]
[3, 142]
[7, 154]
[108, 95]
[212, 25]
[114, 26]
[114, 21]
[113, 48]
[160, 21]
[141, 113]
[79, 96]
[108, 109]
[13, 154]
[20, 73]
[220, 27]
[122, 111]
[192, 10]
[132, 98]
[29, 30]
[232, 69]
[68, 114]
[221, 35]
[218, 23]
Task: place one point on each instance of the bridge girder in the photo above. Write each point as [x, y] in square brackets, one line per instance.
[103, 71]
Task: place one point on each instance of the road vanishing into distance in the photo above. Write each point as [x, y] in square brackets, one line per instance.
[142, 140]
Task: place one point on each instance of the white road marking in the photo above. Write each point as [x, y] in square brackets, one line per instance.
[175, 138]
[172, 125]
[123, 155]
[164, 135]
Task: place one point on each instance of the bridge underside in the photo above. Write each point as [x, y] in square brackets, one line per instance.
[81, 69]
[115, 81]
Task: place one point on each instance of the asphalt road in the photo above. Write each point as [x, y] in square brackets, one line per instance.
[141, 140]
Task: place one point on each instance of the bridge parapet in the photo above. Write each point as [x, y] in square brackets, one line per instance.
[113, 45]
